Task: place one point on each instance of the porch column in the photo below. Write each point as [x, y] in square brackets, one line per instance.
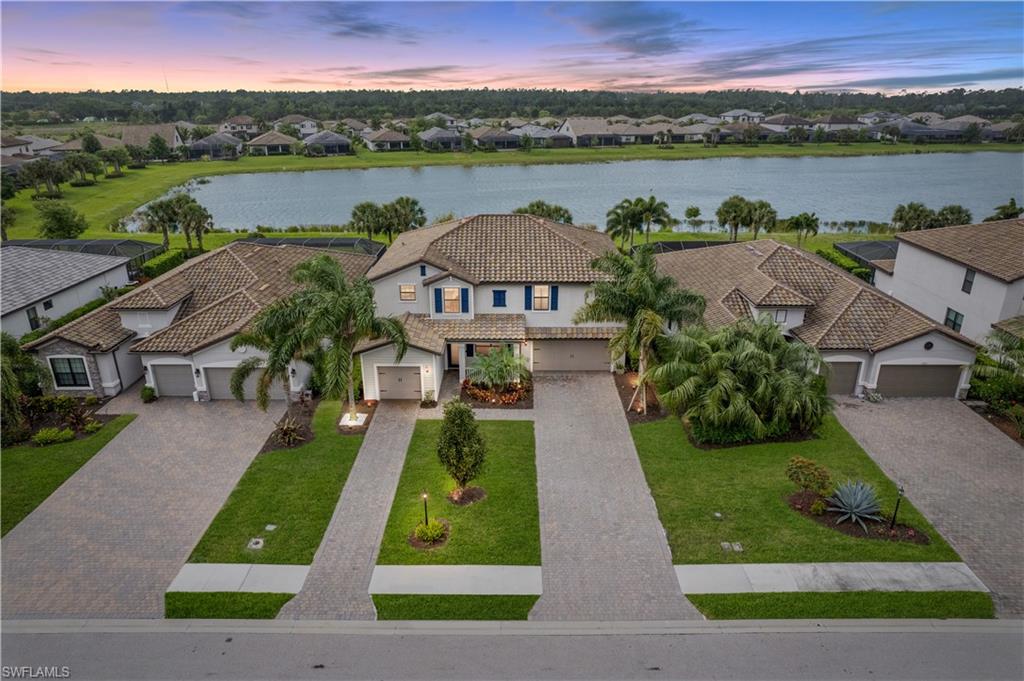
[462, 362]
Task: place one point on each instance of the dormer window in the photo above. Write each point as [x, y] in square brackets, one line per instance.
[452, 300]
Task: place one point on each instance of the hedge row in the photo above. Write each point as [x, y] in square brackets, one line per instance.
[69, 317]
[851, 266]
[164, 262]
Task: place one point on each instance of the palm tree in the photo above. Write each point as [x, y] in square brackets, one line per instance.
[7, 216]
[734, 213]
[160, 216]
[277, 332]
[1007, 211]
[645, 301]
[336, 315]
[366, 218]
[651, 210]
[498, 369]
[762, 216]
[193, 219]
[913, 216]
[406, 214]
[549, 211]
[622, 222]
[953, 214]
[804, 224]
[1007, 353]
[741, 381]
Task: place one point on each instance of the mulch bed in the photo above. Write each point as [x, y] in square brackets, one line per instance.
[792, 437]
[526, 402]
[368, 407]
[303, 414]
[625, 383]
[1004, 424]
[801, 503]
[423, 546]
[54, 420]
[470, 495]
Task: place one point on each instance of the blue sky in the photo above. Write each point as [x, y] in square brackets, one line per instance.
[426, 45]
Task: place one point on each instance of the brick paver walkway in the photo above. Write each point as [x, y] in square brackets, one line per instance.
[338, 583]
[109, 541]
[962, 473]
[604, 551]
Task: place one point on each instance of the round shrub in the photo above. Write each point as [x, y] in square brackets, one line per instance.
[52, 436]
[432, 532]
[148, 394]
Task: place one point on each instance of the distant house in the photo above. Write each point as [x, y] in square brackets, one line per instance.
[659, 118]
[697, 132]
[355, 125]
[911, 130]
[699, 118]
[926, 117]
[304, 124]
[217, 145]
[244, 127]
[547, 121]
[330, 142]
[876, 117]
[449, 121]
[590, 132]
[270, 143]
[834, 122]
[76, 144]
[441, 138]
[140, 135]
[783, 122]
[41, 285]
[40, 146]
[739, 131]
[542, 136]
[387, 140]
[968, 120]
[494, 137]
[742, 116]
[514, 123]
[9, 146]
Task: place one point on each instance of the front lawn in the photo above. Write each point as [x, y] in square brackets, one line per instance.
[847, 605]
[225, 605]
[29, 474]
[414, 607]
[295, 489]
[748, 485]
[502, 529]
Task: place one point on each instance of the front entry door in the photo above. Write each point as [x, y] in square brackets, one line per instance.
[454, 355]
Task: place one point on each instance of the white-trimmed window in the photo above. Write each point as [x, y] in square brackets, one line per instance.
[780, 316]
[69, 372]
[452, 300]
[541, 297]
[407, 293]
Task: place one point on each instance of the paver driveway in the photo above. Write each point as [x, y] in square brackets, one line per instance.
[109, 541]
[604, 552]
[962, 473]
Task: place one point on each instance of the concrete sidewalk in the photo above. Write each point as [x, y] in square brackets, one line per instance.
[478, 580]
[241, 577]
[790, 577]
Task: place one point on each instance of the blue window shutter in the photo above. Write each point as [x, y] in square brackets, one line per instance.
[529, 297]
[438, 303]
[465, 300]
[554, 297]
[499, 299]
[469, 349]
[423, 270]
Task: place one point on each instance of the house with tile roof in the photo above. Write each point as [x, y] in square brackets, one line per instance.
[386, 139]
[304, 124]
[587, 131]
[176, 330]
[270, 143]
[242, 126]
[328, 143]
[140, 135]
[468, 287]
[441, 138]
[869, 340]
[967, 277]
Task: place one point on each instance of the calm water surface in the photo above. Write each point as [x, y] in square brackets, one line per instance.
[837, 189]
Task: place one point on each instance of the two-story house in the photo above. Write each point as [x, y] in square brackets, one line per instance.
[244, 127]
[304, 124]
[467, 287]
[967, 277]
[742, 116]
[868, 340]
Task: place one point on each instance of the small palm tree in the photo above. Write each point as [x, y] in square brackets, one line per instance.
[652, 211]
[194, 220]
[499, 369]
[622, 222]
[762, 216]
[645, 301]
[733, 213]
[1007, 353]
[366, 217]
[277, 332]
[160, 216]
[804, 224]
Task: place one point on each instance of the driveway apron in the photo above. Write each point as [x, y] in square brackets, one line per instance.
[338, 583]
[109, 541]
[962, 473]
[605, 556]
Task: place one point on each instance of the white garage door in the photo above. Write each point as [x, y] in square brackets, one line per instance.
[571, 355]
[173, 380]
[398, 383]
[218, 383]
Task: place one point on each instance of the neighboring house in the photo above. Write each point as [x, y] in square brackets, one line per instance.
[355, 125]
[244, 127]
[441, 138]
[138, 252]
[742, 116]
[11, 146]
[304, 124]
[961, 123]
[76, 144]
[926, 117]
[871, 341]
[331, 142]
[911, 131]
[270, 143]
[217, 145]
[697, 131]
[40, 146]
[658, 119]
[698, 118]
[386, 140]
[449, 121]
[783, 122]
[590, 132]
[876, 117]
[514, 123]
[466, 287]
[494, 137]
[139, 135]
[41, 285]
[834, 122]
[968, 277]
[176, 330]
[542, 136]
[738, 130]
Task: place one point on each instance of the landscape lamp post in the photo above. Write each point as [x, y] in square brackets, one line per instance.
[427, 522]
[892, 523]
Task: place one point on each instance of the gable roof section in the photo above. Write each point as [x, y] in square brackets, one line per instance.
[432, 334]
[139, 135]
[272, 138]
[500, 248]
[844, 312]
[105, 143]
[327, 137]
[219, 293]
[994, 248]
[33, 274]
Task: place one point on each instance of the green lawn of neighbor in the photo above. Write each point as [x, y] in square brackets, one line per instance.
[224, 605]
[413, 607]
[502, 529]
[847, 605]
[295, 489]
[29, 474]
[749, 486]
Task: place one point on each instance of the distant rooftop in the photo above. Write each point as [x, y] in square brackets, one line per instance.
[33, 274]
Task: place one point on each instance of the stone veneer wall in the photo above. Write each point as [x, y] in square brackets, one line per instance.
[63, 347]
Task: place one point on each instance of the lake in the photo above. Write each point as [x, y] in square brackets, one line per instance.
[837, 189]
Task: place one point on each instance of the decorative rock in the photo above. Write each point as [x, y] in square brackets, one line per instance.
[726, 546]
[270, 528]
[737, 547]
[256, 543]
[348, 422]
[718, 516]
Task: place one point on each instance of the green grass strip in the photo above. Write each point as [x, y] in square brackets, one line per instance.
[225, 605]
[418, 607]
[847, 605]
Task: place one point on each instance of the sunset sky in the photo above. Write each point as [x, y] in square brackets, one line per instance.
[427, 45]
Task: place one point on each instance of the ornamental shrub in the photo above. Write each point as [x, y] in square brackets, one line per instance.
[165, 262]
[461, 448]
[809, 476]
[52, 436]
[148, 394]
[92, 426]
[432, 532]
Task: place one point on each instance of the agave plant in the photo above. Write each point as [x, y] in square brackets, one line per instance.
[855, 501]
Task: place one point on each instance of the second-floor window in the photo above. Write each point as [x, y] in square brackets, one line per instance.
[499, 299]
[33, 318]
[780, 316]
[407, 293]
[968, 281]
[541, 297]
[954, 319]
[452, 300]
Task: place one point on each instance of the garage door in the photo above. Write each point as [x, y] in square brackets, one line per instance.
[918, 381]
[398, 383]
[571, 355]
[173, 380]
[843, 379]
[218, 383]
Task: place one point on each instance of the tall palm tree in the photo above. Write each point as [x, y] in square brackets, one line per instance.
[645, 301]
[366, 218]
[1007, 352]
[762, 216]
[651, 210]
[622, 222]
[160, 216]
[407, 214]
[804, 224]
[278, 332]
[733, 213]
[194, 220]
